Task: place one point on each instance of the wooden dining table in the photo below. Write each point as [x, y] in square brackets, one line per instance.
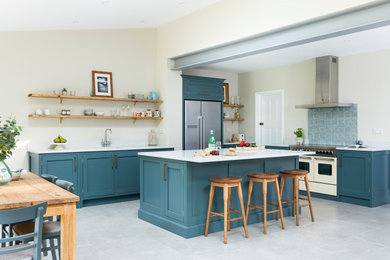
[31, 189]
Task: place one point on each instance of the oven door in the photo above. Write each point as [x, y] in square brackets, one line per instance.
[325, 170]
[306, 163]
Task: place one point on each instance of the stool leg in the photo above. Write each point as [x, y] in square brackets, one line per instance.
[279, 202]
[206, 232]
[296, 190]
[229, 196]
[293, 203]
[265, 206]
[225, 213]
[250, 188]
[239, 190]
[281, 192]
[309, 198]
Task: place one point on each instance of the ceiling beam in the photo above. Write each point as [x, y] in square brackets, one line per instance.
[349, 21]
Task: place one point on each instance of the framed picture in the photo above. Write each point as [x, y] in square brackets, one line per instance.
[226, 93]
[102, 84]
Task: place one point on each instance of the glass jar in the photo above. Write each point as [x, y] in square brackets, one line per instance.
[152, 138]
[5, 173]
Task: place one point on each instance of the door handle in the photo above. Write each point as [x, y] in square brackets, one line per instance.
[112, 161]
[164, 172]
[261, 123]
[116, 161]
[75, 163]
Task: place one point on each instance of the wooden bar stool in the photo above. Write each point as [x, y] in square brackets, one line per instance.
[227, 183]
[265, 178]
[296, 175]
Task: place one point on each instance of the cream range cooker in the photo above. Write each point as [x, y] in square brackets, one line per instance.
[322, 168]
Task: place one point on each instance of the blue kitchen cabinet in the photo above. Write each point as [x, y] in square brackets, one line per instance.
[64, 166]
[98, 175]
[152, 186]
[174, 190]
[363, 177]
[126, 173]
[162, 188]
[354, 174]
[202, 88]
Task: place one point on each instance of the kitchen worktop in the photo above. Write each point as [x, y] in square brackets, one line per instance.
[91, 147]
[366, 149]
[188, 155]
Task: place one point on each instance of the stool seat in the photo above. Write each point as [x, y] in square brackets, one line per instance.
[227, 180]
[294, 172]
[266, 175]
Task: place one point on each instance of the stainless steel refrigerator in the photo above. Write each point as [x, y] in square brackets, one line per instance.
[201, 117]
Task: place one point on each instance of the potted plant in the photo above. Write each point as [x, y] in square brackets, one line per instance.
[8, 131]
[299, 134]
[64, 91]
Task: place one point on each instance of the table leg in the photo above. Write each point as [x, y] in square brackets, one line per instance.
[68, 232]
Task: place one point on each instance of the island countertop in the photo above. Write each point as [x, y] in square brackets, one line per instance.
[188, 155]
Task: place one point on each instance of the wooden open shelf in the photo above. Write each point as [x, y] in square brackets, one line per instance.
[233, 119]
[95, 117]
[228, 105]
[61, 97]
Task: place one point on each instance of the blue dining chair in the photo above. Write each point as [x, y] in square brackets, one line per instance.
[31, 250]
[51, 229]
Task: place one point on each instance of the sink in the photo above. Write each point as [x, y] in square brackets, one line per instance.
[357, 146]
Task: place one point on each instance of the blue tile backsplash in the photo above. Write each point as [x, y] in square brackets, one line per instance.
[333, 126]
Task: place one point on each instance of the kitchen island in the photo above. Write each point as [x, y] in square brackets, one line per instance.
[174, 187]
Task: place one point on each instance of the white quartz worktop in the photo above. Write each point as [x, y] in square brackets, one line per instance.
[188, 155]
[91, 147]
[366, 149]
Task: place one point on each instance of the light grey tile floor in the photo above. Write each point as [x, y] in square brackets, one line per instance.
[341, 231]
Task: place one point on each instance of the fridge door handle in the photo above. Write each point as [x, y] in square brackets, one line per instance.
[200, 136]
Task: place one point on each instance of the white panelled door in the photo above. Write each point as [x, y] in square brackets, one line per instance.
[269, 117]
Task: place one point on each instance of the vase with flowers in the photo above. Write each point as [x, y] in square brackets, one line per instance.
[8, 132]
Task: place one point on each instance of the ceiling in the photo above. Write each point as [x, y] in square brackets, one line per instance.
[361, 42]
[31, 15]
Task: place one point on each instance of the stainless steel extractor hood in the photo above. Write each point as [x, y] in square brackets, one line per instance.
[327, 84]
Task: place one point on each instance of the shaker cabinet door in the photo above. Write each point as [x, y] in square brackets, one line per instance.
[98, 175]
[174, 191]
[127, 173]
[354, 174]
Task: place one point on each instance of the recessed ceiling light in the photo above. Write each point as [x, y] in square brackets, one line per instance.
[105, 2]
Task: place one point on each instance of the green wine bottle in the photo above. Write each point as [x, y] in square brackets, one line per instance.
[212, 140]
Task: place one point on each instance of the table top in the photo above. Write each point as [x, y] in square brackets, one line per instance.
[31, 189]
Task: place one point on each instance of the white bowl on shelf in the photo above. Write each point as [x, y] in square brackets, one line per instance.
[99, 113]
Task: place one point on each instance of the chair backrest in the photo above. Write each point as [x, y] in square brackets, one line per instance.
[66, 185]
[11, 216]
[49, 177]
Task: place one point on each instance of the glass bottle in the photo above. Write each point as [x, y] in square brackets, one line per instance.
[212, 140]
[152, 138]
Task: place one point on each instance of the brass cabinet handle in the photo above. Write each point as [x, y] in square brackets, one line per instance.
[164, 173]
[116, 161]
[112, 161]
[75, 163]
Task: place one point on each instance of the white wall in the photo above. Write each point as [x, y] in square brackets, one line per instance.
[220, 23]
[40, 62]
[229, 127]
[365, 80]
[298, 83]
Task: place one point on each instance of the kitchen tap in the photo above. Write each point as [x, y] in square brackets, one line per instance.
[105, 141]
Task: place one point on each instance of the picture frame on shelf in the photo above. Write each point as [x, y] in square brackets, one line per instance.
[226, 93]
[102, 84]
